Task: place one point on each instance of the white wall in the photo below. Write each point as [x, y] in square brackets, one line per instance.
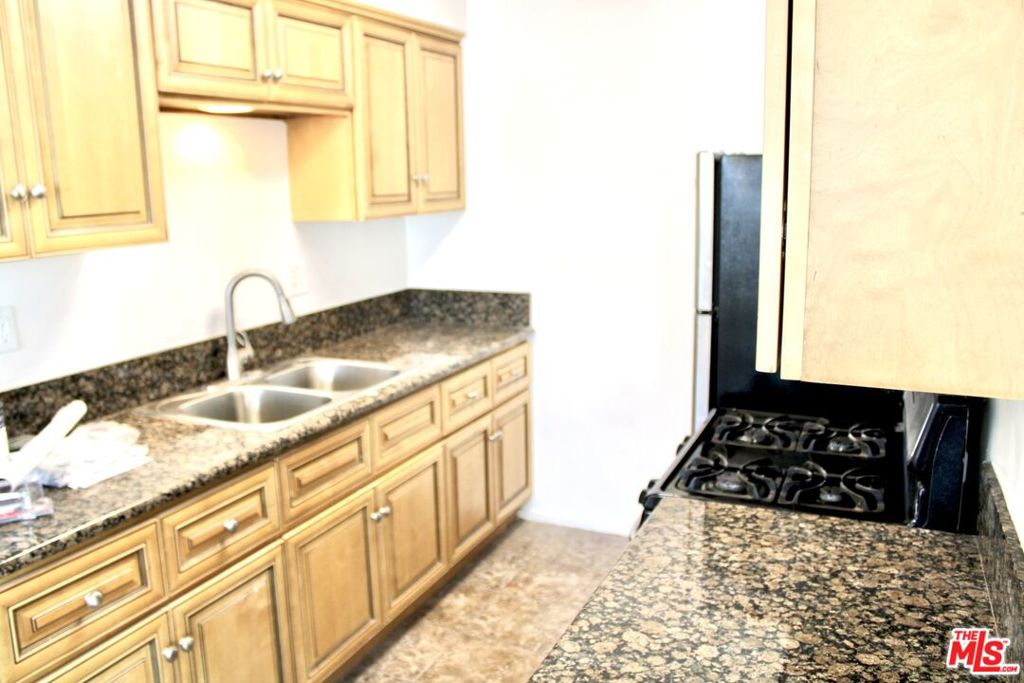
[583, 121]
[1003, 445]
[226, 182]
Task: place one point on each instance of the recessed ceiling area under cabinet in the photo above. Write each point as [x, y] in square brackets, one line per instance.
[401, 151]
[79, 157]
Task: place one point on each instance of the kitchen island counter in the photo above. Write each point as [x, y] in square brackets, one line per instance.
[716, 591]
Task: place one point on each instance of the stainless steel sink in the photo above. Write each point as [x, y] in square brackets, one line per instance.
[280, 397]
[254, 407]
[330, 374]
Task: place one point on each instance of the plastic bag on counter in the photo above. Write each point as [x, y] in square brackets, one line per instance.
[93, 452]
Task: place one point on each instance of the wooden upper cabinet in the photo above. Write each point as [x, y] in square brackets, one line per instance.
[13, 215]
[387, 107]
[236, 625]
[93, 167]
[311, 52]
[903, 194]
[440, 167]
[280, 51]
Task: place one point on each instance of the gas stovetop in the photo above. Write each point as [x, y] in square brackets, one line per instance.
[799, 462]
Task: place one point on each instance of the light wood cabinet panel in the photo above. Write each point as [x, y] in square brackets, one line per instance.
[511, 373]
[387, 110]
[903, 219]
[97, 176]
[212, 47]
[313, 49]
[471, 509]
[64, 608]
[13, 216]
[210, 531]
[466, 396]
[323, 471]
[132, 657]
[440, 167]
[238, 625]
[406, 427]
[513, 456]
[333, 589]
[413, 536]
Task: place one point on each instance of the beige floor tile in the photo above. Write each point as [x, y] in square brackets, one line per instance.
[499, 618]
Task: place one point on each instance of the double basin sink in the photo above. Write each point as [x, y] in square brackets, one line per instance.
[278, 397]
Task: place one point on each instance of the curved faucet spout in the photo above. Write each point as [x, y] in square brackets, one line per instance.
[234, 361]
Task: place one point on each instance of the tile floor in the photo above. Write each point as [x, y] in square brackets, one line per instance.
[498, 619]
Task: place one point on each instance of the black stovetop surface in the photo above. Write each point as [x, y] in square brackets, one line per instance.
[799, 462]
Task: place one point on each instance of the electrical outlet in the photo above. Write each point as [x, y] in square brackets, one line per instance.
[298, 283]
[8, 331]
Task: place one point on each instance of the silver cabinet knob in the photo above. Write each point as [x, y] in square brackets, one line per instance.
[169, 653]
[19, 192]
[496, 436]
[267, 74]
[186, 643]
[379, 515]
[230, 525]
[38, 191]
[278, 75]
[94, 599]
[472, 395]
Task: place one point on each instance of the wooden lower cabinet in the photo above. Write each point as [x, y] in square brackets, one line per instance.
[469, 468]
[513, 461]
[234, 628]
[412, 529]
[333, 588]
[133, 657]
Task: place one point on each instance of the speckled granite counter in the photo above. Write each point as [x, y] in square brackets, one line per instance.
[187, 456]
[714, 591]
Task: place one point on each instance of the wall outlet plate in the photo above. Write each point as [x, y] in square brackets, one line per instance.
[298, 281]
[8, 330]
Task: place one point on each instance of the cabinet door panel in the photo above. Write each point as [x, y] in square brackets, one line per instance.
[333, 589]
[96, 125]
[903, 246]
[414, 535]
[238, 624]
[440, 96]
[13, 231]
[388, 64]
[313, 50]
[211, 47]
[132, 657]
[468, 464]
[513, 456]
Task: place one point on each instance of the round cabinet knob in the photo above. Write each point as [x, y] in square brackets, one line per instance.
[231, 525]
[19, 192]
[278, 75]
[186, 643]
[38, 191]
[94, 599]
[385, 511]
[473, 395]
[379, 515]
[496, 436]
[169, 653]
[267, 74]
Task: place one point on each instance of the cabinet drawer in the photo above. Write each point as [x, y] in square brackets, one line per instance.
[205, 534]
[320, 473]
[466, 396]
[407, 427]
[63, 608]
[511, 372]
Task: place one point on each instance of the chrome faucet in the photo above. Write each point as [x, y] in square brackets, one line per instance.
[238, 356]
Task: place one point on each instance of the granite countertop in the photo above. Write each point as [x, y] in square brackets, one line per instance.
[725, 592]
[188, 456]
